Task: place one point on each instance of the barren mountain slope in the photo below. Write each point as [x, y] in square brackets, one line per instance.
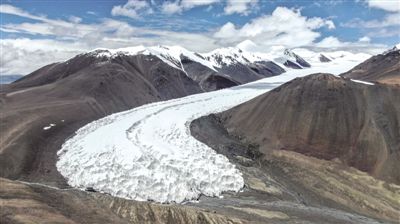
[41, 110]
[326, 117]
[383, 68]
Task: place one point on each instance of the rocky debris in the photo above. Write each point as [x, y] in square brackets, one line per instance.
[26, 203]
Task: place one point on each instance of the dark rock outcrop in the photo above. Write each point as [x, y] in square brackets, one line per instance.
[290, 64]
[323, 58]
[299, 60]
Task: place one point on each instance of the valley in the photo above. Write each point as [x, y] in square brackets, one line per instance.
[148, 149]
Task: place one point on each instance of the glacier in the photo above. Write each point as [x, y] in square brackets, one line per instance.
[148, 153]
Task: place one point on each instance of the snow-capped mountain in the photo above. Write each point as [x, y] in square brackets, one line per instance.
[225, 67]
[394, 49]
[227, 56]
[169, 54]
[241, 65]
[292, 60]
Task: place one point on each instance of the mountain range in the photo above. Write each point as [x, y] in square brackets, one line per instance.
[292, 144]
[104, 81]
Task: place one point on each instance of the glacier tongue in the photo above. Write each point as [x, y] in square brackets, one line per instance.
[148, 153]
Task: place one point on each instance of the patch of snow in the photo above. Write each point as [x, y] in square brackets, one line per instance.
[148, 153]
[363, 82]
[48, 127]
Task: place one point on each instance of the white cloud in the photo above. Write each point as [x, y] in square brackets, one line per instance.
[172, 7]
[363, 45]
[72, 36]
[243, 7]
[387, 5]
[45, 26]
[23, 56]
[188, 4]
[62, 29]
[329, 42]
[132, 9]
[107, 33]
[9, 9]
[385, 32]
[12, 10]
[287, 28]
[392, 19]
[178, 6]
[364, 39]
[226, 31]
[91, 13]
[75, 19]
[388, 26]
[283, 27]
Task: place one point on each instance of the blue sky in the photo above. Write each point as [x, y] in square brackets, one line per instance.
[35, 33]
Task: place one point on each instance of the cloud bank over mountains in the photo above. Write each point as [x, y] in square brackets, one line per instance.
[40, 39]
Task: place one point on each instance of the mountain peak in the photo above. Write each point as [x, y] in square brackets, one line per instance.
[395, 48]
[247, 45]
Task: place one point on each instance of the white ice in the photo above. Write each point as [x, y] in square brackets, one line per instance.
[363, 82]
[148, 153]
[48, 127]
